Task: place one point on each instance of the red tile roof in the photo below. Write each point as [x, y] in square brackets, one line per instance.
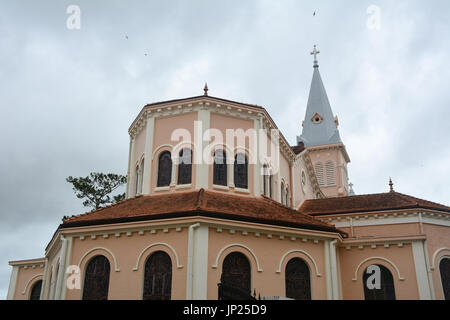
[367, 203]
[200, 203]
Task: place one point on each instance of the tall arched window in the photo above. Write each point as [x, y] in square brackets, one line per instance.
[220, 168]
[319, 173]
[36, 291]
[270, 185]
[298, 280]
[287, 197]
[444, 268]
[164, 169]
[185, 167]
[264, 179]
[96, 279]
[141, 176]
[136, 175]
[283, 193]
[236, 272]
[158, 277]
[241, 171]
[386, 291]
[331, 181]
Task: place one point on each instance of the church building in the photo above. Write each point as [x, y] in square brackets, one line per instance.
[220, 206]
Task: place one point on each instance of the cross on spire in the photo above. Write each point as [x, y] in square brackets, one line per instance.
[315, 52]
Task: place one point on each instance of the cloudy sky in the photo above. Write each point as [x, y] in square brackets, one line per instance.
[67, 96]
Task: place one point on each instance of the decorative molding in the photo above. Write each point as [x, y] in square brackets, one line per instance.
[29, 281]
[435, 254]
[104, 249]
[298, 251]
[377, 258]
[179, 266]
[237, 245]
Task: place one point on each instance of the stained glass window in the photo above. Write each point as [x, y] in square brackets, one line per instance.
[96, 281]
[158, 277]
[164, 169]
[185, 167]
[220, 168]
[298, 280]
[241, 171]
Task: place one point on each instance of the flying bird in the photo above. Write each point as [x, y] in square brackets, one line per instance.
[126, 37]
[314, 14]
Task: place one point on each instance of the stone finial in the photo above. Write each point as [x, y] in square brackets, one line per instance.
[391, 185]
[205, 89]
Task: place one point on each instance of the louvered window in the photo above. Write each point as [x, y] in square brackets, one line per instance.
[319, 174]
[331, 181]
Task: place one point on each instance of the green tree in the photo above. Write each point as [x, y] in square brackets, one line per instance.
[96, 188]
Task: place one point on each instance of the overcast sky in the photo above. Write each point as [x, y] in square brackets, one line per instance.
[67, 97]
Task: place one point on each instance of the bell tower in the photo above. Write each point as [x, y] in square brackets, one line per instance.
[321, 138]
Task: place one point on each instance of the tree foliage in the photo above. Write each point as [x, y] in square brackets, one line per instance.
[96, 188]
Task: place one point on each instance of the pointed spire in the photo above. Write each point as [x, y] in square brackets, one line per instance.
[391, 185]
[205, 89]
[320, 125]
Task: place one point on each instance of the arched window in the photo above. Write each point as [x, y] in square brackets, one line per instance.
[386, 291]
[55, 281]
[241, 171]
[287, 197]
[319, 174]
[236, 272]
[331, 181]
[36, 291]
[185, 167]
[96, 279]
[264, 179]
[158, 277]
[444, 267]
[136, 187]
[270, 185]
[220, 168]
[283, 193]
[141, 179]
[298, 280]
[164, 169]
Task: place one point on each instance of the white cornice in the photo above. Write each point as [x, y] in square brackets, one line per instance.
[225, 108]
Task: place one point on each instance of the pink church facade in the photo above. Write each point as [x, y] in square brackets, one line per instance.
[209, 216]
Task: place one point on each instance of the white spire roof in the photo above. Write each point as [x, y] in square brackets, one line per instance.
[320, 126]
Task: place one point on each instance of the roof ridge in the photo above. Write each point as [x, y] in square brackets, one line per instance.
[419, 199]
